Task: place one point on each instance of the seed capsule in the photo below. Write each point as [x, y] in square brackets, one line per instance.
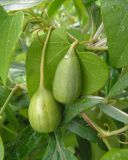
[67, 80]
[44, 112]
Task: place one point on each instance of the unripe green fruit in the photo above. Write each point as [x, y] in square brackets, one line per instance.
[67, 80]
[44, 112]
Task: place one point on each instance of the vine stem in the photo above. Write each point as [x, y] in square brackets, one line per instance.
[8, 98]
[42, 59]
[101, 132]
[118, 131]
[97, 128]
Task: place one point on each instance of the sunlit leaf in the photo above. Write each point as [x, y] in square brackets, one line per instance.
[115, 18]
[94, 72]
[10, 31]
[54, 6]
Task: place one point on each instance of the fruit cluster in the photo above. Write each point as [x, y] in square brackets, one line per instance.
[44, 109]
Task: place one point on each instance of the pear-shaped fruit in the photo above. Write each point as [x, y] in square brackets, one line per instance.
[44, 112]
[67, 80]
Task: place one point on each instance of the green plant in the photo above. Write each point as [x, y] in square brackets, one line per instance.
[64, 80]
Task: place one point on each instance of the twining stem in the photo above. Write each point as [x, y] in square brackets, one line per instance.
[118, 131]
[8, 98]
[101, 132]
[97, 128]
[42, 59]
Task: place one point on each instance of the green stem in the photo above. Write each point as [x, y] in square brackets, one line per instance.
[42, 59]
[116, 132]
[89, 121]
[97, 128]
[95, 48]
[38, 18]
[74, 44]
[8, 99]
[107, 143]
[72, 37]
[9, 130]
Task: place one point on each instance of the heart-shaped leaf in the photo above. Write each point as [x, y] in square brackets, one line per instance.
[94, 72]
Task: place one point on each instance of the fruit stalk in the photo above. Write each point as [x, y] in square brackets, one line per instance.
[42, 60]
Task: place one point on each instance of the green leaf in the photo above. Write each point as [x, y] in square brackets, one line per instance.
[1, 149]
[96, 152]
[64, 153]
[33, 71]
[10, 31]
[94, 72]
[84, 145]
[115, 18]
[11, 116]
[56, 149]
[120, 85]
[81, 11]
[54, 6]
[80, 128]
[51, 151]
[73, 110]
[116, 154]
[89, 1]
[24, 144]
[56, 49]
[114, 112]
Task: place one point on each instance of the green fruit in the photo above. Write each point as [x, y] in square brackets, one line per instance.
[67, 80]
[44, 112]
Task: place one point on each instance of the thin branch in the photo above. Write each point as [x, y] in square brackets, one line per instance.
[9, 98]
